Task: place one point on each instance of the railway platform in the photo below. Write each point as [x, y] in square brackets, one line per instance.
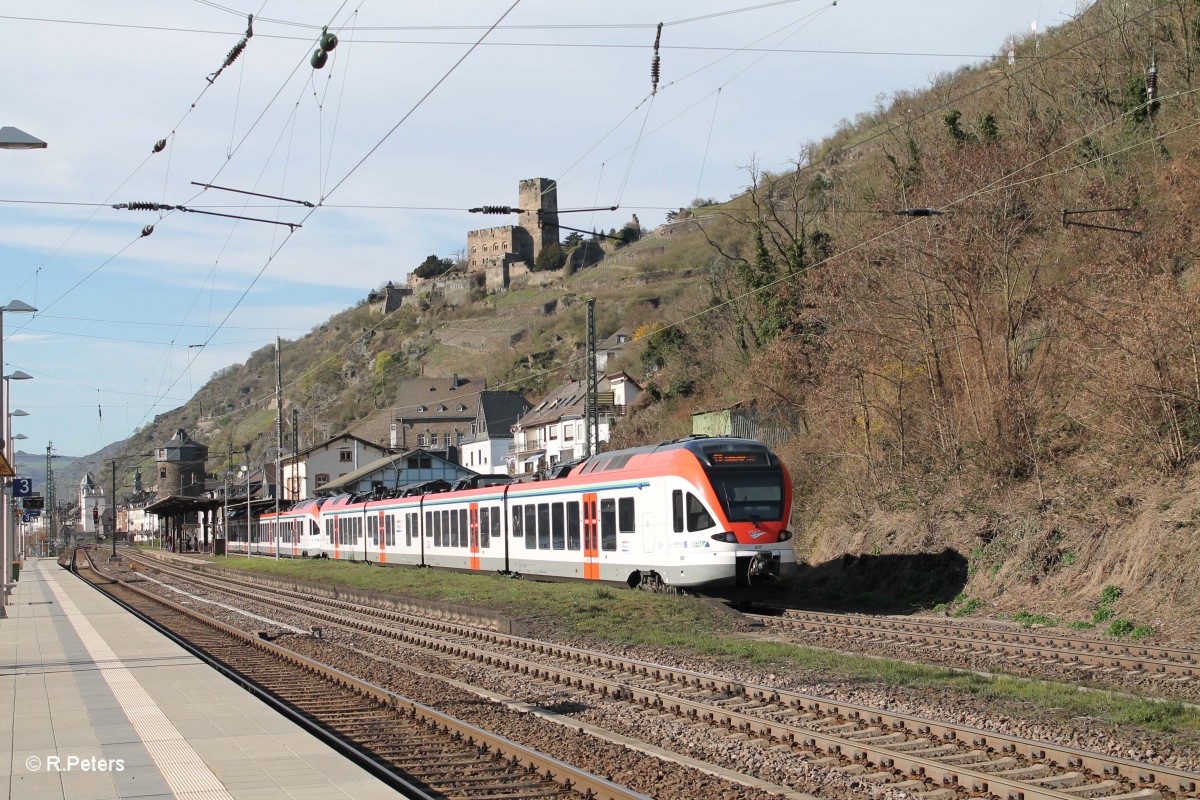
[97, 704]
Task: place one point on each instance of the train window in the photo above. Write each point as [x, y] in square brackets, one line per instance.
[329, 529]
[373, 529]
[698, 518]
[608, 524]
[559, 538]
[429, 523]
[463, 526]
[543, 526]
[572, 526]
[485, 528]
[445, 528]
[530, 526]
[516, 523]
[437, 529]
[677, 510]
[749, 496]
[390, 536]
[453, 529]
[496, 522]
[357, 530]
[625, 514]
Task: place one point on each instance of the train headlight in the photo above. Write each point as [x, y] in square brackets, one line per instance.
[729, 537]
[785, 535]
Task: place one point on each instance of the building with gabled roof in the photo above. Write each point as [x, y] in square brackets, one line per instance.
[485, 448]
[309, 470]
[393, 471]
[555, 430]
[435, 413]
[610, 349]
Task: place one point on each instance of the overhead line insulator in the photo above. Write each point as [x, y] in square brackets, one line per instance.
[494, 210]
[143, 206]
[654, 62]
[237, 49]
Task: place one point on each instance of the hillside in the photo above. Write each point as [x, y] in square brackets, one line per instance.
[993, 398]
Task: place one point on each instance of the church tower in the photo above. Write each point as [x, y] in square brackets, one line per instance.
[92, 505]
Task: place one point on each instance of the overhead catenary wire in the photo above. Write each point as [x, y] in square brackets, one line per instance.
[731, 301]
[330, 205]
[291, 232]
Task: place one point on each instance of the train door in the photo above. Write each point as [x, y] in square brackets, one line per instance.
[591, 539]
[381, 526]
[474, 528]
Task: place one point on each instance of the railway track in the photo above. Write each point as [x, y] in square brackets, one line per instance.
[877, 746]
[425, 754]
[1175, 667]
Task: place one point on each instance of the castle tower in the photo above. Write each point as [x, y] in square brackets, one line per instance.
[539, 195]
[181, 466]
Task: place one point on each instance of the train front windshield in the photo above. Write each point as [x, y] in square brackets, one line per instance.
[749, 496]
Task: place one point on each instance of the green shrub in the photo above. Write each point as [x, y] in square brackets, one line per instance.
[1028, 620]
[1081, 624]
[1102, 615]
[551, 257]
[1141, 632]
[1068, 558]
[970, 607]
[1110, 594]
[1120, 627]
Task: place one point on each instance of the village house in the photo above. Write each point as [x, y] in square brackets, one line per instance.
[309, 470]
[554, 430]
[484, 449]
[396, 471]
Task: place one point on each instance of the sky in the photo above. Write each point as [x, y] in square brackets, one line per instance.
[422, 111]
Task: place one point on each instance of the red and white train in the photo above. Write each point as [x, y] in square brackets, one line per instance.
[698, 512]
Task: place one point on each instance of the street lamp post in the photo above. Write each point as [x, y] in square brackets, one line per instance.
[10, 522]
[6, 546]
[19, 549]
[113, 502]
[246, 467]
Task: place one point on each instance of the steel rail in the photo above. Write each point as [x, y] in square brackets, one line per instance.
[568, 776]
[1108, 767]
[1067, 650]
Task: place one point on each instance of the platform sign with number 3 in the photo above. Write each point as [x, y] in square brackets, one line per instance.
[22, 487]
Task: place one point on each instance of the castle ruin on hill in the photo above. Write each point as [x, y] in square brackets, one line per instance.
[509, 251]
[494, 257]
